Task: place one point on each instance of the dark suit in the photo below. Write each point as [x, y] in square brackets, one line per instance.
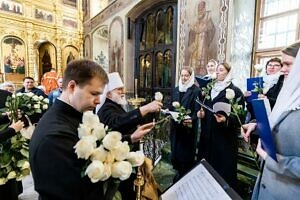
[35, 91]
[183, 138]
[56, 170]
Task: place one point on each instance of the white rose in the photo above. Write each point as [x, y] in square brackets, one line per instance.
[111, 140]
[83, 130]
[110, 158]
[46, 100]
[27, 132]
[230, 94]
[45, 106]
[258, 67]
[99, 154]
[158, 96]
[30, 94]
[90, 119]
[176, 104]
[3, 181]
[85, 147]
[36, 106]
[18, 94]
[11, 175]
[121, 170]
[136, 158]
[121, 151]
[95, 171]
[41, 98]
[99, 131]
[107, 172]
[35, 98]
[213, 76]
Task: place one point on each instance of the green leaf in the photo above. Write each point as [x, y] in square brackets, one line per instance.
[5, 159]
[25, 153]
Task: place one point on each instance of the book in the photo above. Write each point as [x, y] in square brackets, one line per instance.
[251, 82]
[202, 182]
[263, 127]
[218, 108]
[202, 81]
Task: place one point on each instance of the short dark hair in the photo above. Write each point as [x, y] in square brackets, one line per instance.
[274, 60]
[27, 77]
[82, 71]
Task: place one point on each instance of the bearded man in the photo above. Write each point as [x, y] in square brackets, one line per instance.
[112, 113]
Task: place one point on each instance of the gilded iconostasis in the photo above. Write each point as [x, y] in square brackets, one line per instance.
[37, 36]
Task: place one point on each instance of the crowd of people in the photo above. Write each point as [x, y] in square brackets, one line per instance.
[203, 135]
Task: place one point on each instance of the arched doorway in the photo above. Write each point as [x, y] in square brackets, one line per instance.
[47, 58]
[155, 52]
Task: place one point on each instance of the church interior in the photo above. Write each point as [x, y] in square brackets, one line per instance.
[148, 42]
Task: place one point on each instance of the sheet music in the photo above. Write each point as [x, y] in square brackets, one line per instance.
[198, 184]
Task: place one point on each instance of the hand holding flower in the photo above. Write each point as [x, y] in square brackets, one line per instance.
[17, 125]
[141, 131]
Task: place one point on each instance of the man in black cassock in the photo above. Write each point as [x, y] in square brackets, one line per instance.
[56, 170]
[113, 114]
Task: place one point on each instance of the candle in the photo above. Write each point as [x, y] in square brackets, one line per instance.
[135, 87]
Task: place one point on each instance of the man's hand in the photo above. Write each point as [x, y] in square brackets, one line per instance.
[17, 125]
[247, 129]
[151, 107]
[141, 131]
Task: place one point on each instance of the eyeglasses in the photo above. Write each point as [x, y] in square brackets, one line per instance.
[276, 65]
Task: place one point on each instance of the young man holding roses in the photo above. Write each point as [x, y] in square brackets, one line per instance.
[56, 170]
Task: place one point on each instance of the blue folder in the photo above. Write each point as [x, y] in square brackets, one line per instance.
[263, 127]
[251, 85]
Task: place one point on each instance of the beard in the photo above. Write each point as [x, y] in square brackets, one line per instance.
[121, 100]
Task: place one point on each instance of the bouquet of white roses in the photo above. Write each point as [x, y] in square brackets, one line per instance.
[14, 153]
[105, 154]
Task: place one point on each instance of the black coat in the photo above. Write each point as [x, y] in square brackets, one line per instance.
[219, 140]
[117, 119]
[184, 139]
[3, 96]
[7, 132]
[56, 170]
[35, 91]
[274, 91]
